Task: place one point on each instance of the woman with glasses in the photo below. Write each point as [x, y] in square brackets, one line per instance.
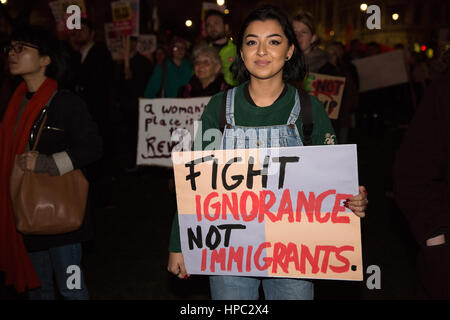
[207, 79]
[173, 73]
[69, 141]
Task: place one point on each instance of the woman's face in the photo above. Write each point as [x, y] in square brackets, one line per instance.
[265, 49]
[24, 59]
[304, 36]
[205, 67]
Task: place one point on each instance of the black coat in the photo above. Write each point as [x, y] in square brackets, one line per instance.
[69, 128]
[422, 187]
[93, 82]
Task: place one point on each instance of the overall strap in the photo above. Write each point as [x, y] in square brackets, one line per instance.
[222, 119]
[295, 112]
[229, 110]
[306, 116]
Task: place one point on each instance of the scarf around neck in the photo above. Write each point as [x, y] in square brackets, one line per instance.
[14, 258]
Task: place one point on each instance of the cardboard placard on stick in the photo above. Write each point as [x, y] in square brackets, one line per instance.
[328, 89]
[381, 70]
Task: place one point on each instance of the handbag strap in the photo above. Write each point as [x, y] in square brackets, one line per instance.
[41, 128]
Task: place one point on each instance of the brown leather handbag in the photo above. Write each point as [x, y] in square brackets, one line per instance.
[47, 205]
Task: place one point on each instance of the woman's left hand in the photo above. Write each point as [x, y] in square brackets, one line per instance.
[358, 203]
[27, 160]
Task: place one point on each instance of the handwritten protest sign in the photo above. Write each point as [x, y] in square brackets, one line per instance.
[158, 119]
[328, 89]
[381, 70]
[269, 212]
[147, 44]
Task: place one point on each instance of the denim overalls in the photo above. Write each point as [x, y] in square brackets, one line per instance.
[238, 137]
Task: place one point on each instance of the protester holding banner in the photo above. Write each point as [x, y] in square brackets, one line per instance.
[93, 82]
[69, 141]
[133, 87]
[175, 72]
[216, 29]
[317, 60]
[350, 98]
[207, 79]
[269, 58]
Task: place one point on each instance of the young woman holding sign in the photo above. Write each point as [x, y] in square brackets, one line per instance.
[269, 58]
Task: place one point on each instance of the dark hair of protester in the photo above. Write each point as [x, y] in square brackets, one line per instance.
[48, 45]
[295, 68]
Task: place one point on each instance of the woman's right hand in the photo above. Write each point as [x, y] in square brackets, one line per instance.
[176, 265]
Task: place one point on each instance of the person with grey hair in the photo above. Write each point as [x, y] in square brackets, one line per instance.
[207, 79]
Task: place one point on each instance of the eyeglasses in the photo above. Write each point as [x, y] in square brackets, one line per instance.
[18, 47]
[179, 48]
[202, 62]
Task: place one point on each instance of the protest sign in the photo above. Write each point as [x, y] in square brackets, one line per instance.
[381, 70]
[147, 44]
[328, 89]
[158, 119]
[269, 212]
[122, 17]
[113, 42]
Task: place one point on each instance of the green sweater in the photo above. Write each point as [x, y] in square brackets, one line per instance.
[248, 114]
[176, 77]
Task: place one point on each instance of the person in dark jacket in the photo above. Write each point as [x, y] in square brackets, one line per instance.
[93, 83]
[132, 84]
[422, 187]
[208, 78]
[69, 141]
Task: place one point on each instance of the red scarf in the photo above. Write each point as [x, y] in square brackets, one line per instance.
[14, 258]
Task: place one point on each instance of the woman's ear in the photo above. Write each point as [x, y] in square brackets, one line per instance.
[290, 52]
[45, 61]
[314, 39]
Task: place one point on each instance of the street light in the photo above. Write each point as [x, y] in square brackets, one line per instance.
[4, 1]
[363, 7]
[220, 2]
[395, 16]
[188, 23]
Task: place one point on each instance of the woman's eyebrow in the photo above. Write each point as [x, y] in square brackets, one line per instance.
[269, 36]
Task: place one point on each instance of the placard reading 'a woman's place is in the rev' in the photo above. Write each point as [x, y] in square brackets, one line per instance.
[269, 212]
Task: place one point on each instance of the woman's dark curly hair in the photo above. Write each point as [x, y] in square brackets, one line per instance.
[48, 45]
[294, 69]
